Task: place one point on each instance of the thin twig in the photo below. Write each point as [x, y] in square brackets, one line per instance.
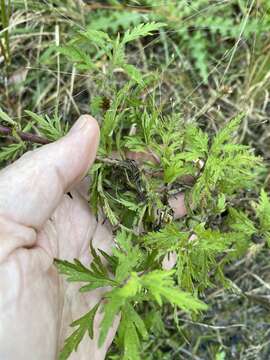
[25, 136]
[36, 139]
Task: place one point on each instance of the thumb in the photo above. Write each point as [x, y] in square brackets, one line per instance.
[32, 187]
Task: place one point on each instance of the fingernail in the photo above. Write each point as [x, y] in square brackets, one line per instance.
[80, 123]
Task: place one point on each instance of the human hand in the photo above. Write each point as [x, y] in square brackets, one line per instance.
[38, 222]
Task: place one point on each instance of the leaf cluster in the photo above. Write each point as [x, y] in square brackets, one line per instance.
[129, 288]
[103, 50]
[194, 26]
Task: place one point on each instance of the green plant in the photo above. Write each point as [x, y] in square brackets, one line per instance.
[146, 233]
[110, 52]
[173, 156]
[194, 26]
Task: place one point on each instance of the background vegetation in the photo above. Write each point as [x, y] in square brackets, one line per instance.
[203, 64]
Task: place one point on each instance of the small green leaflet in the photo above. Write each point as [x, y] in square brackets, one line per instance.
[229, 167]
[85, 325]
[77, 272]
[239, 221]
[133, 73]
[12, 151]
[160, 283]
[78, 56]
[115, 299]
[131, 327]
[97, 37]
[51, 128]
[141, 30]
[133, 316]
[5, 117]
[110, 310]
[167, 239]
[131, 343]
[226, 133]
[263, 213]
[197, 141]
[127, 255]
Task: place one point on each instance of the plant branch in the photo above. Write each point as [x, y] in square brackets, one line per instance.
[7, 132]
[25, 136]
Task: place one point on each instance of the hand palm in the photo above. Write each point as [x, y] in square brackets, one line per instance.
[38, 304]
